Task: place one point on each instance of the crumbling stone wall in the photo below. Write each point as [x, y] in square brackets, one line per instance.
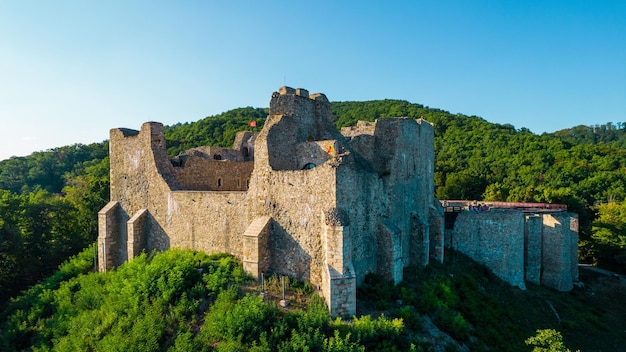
[558, 239]
[495, 239]
[519, 247]
[299, 198]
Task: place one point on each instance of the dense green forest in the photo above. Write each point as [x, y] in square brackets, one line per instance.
[49, 200]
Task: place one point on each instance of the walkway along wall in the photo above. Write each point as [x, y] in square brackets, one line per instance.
[299, 198]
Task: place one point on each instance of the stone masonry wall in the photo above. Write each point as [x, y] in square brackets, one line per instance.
[495, 239]
[533, 244]
[298, 199]
[557, 243]
[108, 236]
[539, 248]
[200, 174]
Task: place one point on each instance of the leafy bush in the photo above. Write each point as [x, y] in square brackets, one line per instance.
[548, 340]
[380, 291]
[139, 306]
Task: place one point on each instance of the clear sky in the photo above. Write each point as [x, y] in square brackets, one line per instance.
[72, 70]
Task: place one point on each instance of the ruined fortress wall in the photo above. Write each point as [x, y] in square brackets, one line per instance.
[140, 176]
[532, 244]
[315, 209]
[574, 245]
[495, 239]
[209, 221]
[363, 210]
[557, 254]
[297, 201]
[400, 151]
[547, 255]
[199, 174]
[397, 164]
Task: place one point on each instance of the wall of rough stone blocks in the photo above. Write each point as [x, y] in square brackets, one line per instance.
[178, 203]
[255, 257]
[437, 232]
[108, 236]
[557, 243]
[495, 239]
[533, 244]
[539, 248]
[573, 223]
[199, 174]
[137, 235]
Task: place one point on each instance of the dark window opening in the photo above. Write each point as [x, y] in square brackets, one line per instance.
[308, 166]
[217, 157]
[219, 182]
[245, 152]
[450, 219]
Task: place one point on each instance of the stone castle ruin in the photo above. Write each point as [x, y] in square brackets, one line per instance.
[298, 198]
[520, 242]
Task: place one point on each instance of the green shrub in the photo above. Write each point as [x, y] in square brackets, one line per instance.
[378, 290]
[240, 320]
[452, 322]
[337, 343]
[548, 340]
[410, 316]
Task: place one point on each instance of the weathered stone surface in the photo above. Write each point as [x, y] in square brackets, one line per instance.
[298, 198]
[495, 239]
[535, 247]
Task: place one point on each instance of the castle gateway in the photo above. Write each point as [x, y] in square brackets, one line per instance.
[299, 198]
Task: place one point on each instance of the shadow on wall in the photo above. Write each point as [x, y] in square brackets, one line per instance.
[158, 239]
[288, 256]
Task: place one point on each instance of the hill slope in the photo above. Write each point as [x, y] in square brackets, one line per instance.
[183, 300]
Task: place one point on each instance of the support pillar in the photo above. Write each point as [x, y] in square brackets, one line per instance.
[255, 239]
[338, 275]
[108, 236]
[137, 234]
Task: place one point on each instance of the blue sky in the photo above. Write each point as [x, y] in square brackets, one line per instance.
[72, 70]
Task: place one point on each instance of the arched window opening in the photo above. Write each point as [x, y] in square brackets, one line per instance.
[308, 166]
[219, 182]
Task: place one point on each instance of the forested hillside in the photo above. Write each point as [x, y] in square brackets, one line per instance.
[49, 200]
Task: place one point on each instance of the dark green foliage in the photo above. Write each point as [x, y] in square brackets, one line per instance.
[378, 290]
[178, 301]
[218, 130]
[48, 170]
[138, 307]
[242, 320]
[38, 231]
[166, 301]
